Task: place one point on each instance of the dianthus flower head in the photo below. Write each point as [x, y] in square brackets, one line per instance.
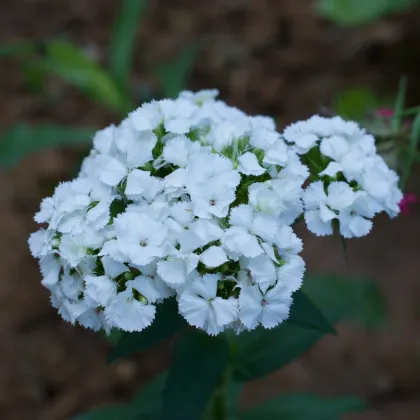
[350, 181]
[193, 200]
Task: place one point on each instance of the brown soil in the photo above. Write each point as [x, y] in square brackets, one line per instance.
[265, 56]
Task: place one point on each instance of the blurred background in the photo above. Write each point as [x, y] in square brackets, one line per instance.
[67, 68]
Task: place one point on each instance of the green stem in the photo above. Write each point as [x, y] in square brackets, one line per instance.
[219, 407]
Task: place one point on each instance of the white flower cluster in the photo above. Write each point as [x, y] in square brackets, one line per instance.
[194, 200]
[351, 182]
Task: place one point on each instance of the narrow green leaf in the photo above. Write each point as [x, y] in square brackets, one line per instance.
[21, 140]
[260, 352]
[305, 314]
[199, 361]
[359, 12]
[146, 405]
[174, 74]
[412, 152]
[123, 41]
[304, 407]
[396, 120]
[350, 298]
[168, 321]
[71, 64]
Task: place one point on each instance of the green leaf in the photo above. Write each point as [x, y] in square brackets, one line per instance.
[351, 298]
[304, 407]
[123, 41]
[358, 12]
[304, 313]
[71, 64]
[18, 49]
[261, 351]
[174, 74]
[233, 393]
[396, 120]
[199, 361]
[355, 103]
[146, 405]
[21, 140]
[168, 321]
[412, 152]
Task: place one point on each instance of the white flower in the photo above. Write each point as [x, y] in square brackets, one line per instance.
[179, 149]
[141, 238]
[99, 290]
[262, 271]
[211, 198]
[202, 308]
[128, 313]
[321, 208]
[248, 165]
[269, 309]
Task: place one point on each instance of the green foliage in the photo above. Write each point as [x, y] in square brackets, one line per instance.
[359, 12]
[305, 314]
[304, 407]
[349, 298]
[167, 322]
[260, 352]
[21, 140]
[174, 74]
[68, 62]
[199, 361]
[111, 89]
[123, 40]
[355, 103]
[412, 150]
[146, 405]
[396, 121]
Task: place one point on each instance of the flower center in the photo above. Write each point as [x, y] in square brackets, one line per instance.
[264, 302]
[143, 243]
[212, 202]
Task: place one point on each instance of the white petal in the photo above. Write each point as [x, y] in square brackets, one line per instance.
[238, 240]
[316, 225]
[291, 273]
[128, 314]
[354, 226]
[335, 147]
[112, 172]
[241, 216]
[50, 269]
[250, 308]
[113, 268]
[263, 271]
[137, 182]
[172, 271]
[340, 195]
[226, 310]
[194, 309]
[276, 307]
[100, 289]
[248, 164]
[213, 257]
[146, 286]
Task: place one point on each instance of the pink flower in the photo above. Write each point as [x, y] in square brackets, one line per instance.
[406, 202]
[384, 112]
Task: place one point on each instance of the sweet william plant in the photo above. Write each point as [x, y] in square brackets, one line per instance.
[181, 221]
